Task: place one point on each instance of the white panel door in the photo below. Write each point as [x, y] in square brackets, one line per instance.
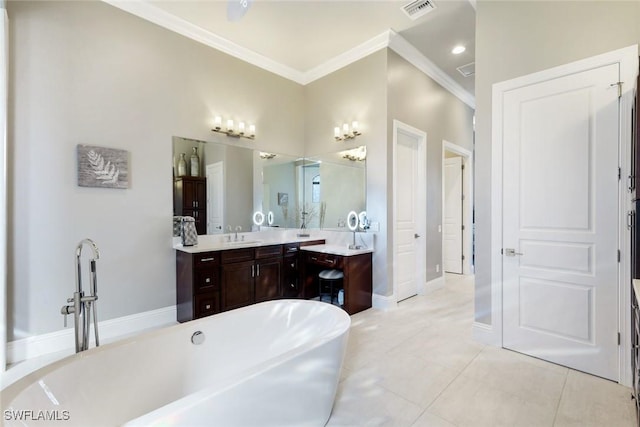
[452, 253]
[409, 212]
[215, 198]
[560, 210]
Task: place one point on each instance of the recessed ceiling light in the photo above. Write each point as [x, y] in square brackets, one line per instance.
[458, 50]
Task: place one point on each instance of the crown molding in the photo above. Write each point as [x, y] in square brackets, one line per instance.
[388, 39]
[380, 41]
[402, 47]
[151, 13]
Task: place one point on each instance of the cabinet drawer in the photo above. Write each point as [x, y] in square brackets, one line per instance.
[206, 259]
[206, 280]
[268, 251]
[206, 304]
[325, 260]
[291, 248]
[236, 255]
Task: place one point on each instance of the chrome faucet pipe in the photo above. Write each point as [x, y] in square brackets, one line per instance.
[82, 305]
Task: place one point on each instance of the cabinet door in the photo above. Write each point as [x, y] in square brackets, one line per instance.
[268, 278]
[291, 277]
[237, 285]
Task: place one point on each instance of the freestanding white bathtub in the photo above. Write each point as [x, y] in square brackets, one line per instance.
[270, 364]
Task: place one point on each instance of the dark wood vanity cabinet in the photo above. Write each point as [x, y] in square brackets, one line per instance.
[357, 281]
[291, 272]
[211, 282]
[268, 278]
[250, 275]
[197, 284]
[190, 199]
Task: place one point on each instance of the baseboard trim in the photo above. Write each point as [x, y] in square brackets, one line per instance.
[382, 302]
[485, 334]
[109, 330]
[432, 285]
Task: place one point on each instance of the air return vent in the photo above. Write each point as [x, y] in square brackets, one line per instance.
[467, 70]
[416, 9]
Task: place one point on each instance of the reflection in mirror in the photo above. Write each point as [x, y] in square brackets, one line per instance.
[222, 197]
[277, 193]
[235, 182]
[334, 184]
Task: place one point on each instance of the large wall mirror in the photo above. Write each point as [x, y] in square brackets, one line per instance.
[222, 186]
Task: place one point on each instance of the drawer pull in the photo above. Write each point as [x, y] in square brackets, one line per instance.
[207, 280]
[292, 250]
[314, 258]
[207, 259]
[207, 307]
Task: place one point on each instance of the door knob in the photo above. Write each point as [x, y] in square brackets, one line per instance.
[511, 252]
[416, 235]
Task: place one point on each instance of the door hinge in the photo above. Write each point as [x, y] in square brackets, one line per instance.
[619, 173]
[463, 257]
[463, 228]
[619, 84]
[462, 167]
[463, 197]
[631, 215]
[619, 255]
[619, 338]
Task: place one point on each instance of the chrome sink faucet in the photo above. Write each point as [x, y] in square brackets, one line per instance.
[238, 228]
[81, 305]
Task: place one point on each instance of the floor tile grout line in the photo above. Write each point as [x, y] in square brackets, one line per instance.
[564, 385]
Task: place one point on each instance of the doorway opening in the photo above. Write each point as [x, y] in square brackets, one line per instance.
[457, 209]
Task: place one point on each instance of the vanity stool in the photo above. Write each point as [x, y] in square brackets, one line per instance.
[331, 281]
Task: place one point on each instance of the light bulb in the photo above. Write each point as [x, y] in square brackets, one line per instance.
[230, 125]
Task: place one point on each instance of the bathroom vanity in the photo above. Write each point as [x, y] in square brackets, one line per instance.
[217, 278]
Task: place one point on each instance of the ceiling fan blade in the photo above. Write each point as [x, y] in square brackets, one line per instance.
[236, 9]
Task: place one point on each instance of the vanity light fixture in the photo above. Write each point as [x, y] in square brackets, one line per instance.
[346, 133]
[356, 154]
[231, 130]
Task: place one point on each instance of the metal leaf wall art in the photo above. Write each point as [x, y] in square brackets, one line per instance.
[102, 167]
[107, 172]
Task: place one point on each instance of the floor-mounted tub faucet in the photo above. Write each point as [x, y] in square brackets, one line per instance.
[81, 306]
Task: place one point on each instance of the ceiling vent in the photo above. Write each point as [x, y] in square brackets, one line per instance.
[467, 70]
[416, 9]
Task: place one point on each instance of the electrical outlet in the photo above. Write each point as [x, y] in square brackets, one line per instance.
[374, 226]
[437, 268]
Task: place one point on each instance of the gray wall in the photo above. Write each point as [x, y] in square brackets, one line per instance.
[515, 38]
[418, 101]
[88, 73]
[357, 92]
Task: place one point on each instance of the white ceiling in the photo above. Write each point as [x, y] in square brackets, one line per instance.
[301, 35]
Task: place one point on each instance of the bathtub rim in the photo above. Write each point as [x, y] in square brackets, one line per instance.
[12, 391]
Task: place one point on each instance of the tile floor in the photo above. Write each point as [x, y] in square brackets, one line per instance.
[418, 366]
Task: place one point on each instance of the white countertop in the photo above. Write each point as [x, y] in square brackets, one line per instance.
[208, 246]
[336, 250]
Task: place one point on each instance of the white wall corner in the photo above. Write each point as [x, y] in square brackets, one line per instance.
[485, 334]
[109, 330]
[432, 285]
[382, 302]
